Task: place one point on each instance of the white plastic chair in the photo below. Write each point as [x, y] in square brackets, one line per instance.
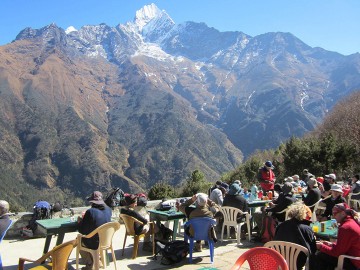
[319, 206]
[286, 211]
[106, 233]
[315, 207]
[354, 203]
[289, 251]
[341, 261]
[230, 215]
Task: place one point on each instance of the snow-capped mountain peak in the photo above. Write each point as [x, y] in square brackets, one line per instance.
[146, 14]
[70, 29]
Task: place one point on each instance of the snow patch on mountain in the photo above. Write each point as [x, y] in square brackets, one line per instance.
[154, 51]
[70, 29]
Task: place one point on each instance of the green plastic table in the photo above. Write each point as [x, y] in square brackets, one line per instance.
[330, 231]
[58, 226]
[170, 215]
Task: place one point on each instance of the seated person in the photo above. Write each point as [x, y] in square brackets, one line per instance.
[297, 181]
[201, 209]
[131, 203]
[297, 230]
[329, 180]
[217, 194]
[336, 197]
[234, 199]
[281, 203]
[355, 186]
[313, 193]
[348, 241]
[94, 217]
[284, 200]
[4, 216]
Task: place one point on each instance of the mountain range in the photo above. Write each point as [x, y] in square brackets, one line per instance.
[150, 101]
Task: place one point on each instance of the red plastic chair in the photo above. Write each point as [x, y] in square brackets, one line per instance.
[261, 258]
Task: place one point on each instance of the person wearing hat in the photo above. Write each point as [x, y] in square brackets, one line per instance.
[335, 198]
[284, 200]
[203, 208]
[131, 203]
[97, 215]
[235, 199]
[267, 177]
[329, 180]
[4, 216]
[348, 241]
[313, 193]
[307, 175]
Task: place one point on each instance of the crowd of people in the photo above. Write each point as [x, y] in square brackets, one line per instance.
[296, 228]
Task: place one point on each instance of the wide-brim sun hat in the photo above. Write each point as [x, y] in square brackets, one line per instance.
[96, 197]
[234, 189]
[337, 188]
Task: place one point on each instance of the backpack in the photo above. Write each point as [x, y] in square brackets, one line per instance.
[41, 210]
[268, 229]
[116, 197]
[164, 233]
[173, 252]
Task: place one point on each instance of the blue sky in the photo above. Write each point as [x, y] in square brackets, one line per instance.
[331, 24]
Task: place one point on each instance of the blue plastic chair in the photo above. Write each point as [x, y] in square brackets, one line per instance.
[201, 227]
[1, 238]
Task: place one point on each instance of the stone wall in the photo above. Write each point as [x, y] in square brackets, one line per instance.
[21, 220]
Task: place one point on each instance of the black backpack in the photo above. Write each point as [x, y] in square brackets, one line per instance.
[173, 252]
[115, 198]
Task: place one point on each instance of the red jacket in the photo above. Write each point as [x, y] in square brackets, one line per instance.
[269, 177]
[348, 241]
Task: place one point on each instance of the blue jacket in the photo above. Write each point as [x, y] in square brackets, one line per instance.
[94, 218]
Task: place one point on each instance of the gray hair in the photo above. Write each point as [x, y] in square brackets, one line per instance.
[298, 210]
[4, 207]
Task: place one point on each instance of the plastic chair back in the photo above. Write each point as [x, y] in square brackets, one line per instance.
[59, 256]
[201, 230]
[289, 251]
[106, 233]
[341, 259]
[129, 222]
[354, 203]
[262, 258]
[2, 237]
[230, 215]
[315, 207]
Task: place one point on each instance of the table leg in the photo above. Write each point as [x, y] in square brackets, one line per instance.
[47, 243]
[175, 228]
[60, 238]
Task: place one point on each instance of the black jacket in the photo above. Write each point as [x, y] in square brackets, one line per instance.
[312, 197]
[282, 203]
[130, 212]
[298, 232]
[330, 203]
